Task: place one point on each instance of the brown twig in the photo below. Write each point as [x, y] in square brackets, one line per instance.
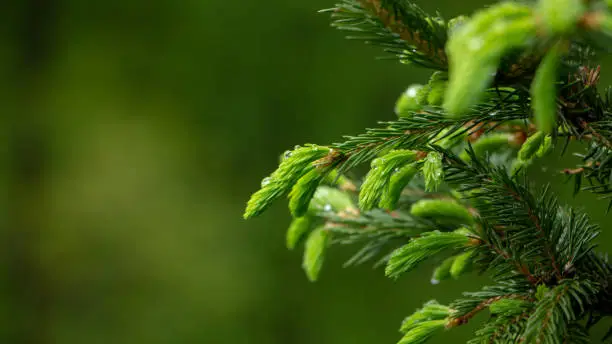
[484, 304]
[573, 171]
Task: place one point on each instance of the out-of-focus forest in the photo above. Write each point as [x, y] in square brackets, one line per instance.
[133, 133]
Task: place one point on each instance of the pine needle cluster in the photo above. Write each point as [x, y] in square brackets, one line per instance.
[447, 179]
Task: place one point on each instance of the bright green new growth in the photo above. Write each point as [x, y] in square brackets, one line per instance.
[447, 212]
[303, 191]
[422, 332]
[531, 146]
[544, 93]
[397, 183]
[461, 264]
[443, 272]
[490, 144]
[560, 16]
[432, 310]
[545, 148]
[329, 199]
[295, 165]
[433, 171]
[380, 173]
[537, 145]
[477, 48]
[408, 256]
[314, 252]
[448, 178]
[433, 93]
[509, 307]
[454, 266]
[408, 101]
[297, 230]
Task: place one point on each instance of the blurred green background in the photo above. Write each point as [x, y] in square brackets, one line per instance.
[135, 132]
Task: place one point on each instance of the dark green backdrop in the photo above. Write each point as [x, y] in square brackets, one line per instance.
[133, 133]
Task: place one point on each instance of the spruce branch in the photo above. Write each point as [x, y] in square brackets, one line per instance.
[501, 330]
[556, 310]
[429, 126]
[448, 178]
[463, 319]
[377, 231]
[513, 219]
[406, 19]
[400, 26]
[408, 256]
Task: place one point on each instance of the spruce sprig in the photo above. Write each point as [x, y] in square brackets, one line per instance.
[428, 126]
[531, 226]
[448, 179]
[399, 26]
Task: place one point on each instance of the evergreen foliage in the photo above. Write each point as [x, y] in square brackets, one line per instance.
[448, 178]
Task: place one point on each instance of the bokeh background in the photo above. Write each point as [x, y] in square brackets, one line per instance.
[133, 134]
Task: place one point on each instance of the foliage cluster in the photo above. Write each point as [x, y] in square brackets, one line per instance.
[447, 179]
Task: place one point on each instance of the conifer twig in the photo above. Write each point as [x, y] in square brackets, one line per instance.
[484, 304]
[449, 176]
[410, 35]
